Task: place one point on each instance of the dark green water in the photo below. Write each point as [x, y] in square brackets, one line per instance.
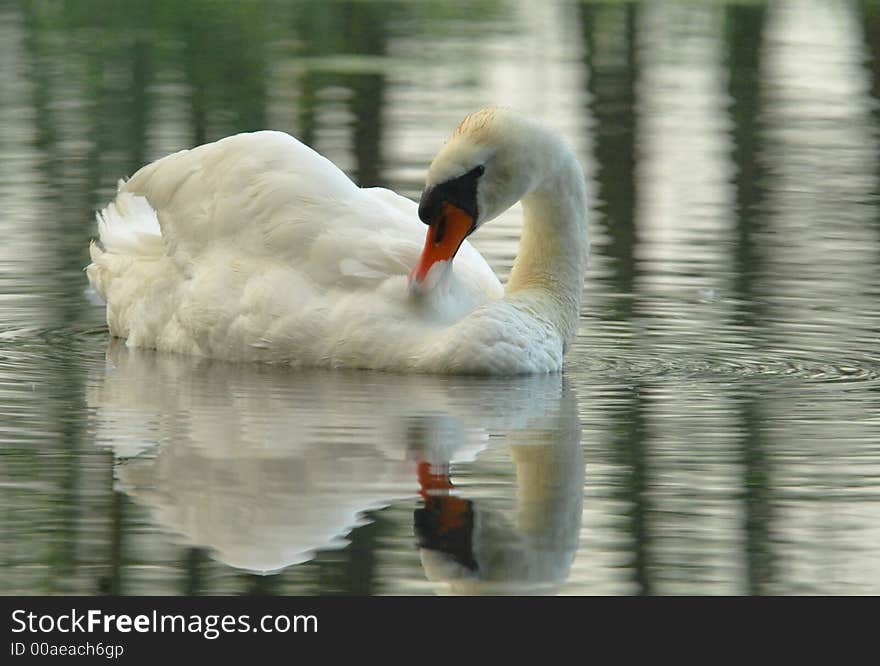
[717, 430]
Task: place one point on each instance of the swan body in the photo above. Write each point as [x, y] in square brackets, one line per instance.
[257, 248]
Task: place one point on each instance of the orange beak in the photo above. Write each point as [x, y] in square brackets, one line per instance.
[445, 236]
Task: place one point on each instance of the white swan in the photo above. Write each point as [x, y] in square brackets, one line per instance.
[257, 248]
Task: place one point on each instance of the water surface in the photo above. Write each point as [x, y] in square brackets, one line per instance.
[716, 430]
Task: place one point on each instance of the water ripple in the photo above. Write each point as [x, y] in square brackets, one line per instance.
[627, 363]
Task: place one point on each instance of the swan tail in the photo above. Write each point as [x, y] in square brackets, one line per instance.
[104, 267]
[128, 231]
[130, 225]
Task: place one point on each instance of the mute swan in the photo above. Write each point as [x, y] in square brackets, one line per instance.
[255, 247]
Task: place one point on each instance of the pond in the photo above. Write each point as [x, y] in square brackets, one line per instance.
[717, 426]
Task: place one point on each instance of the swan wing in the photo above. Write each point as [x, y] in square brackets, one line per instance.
[264, 192]
[269, 196]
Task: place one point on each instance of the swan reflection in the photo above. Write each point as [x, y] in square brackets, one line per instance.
[265, 466]
[478, 547]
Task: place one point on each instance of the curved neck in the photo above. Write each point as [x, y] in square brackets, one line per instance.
[548, 274]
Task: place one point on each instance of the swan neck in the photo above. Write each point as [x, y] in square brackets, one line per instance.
[549, 269]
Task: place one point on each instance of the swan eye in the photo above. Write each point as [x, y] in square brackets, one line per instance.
[479, 170]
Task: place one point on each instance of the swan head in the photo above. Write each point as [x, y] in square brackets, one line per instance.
[482, 170]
